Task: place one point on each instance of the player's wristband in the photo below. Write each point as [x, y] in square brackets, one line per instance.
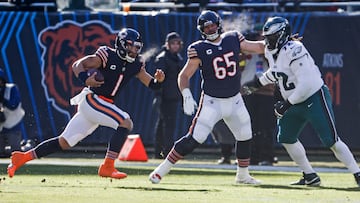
[83, 76]
[154, 84]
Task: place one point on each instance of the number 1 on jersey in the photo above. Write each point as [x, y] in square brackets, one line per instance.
[117, 85]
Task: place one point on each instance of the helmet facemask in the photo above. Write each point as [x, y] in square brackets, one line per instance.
[275, 41]
[207, 18]
[276, 32]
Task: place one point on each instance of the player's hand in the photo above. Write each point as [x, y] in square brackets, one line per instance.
[281, 107]
[92, 82]
[159, 75]
[189, 104]
[251, 86]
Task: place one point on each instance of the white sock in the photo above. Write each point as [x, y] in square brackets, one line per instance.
[164, 168]
[242, 172]
[298, 154]
[343, 153]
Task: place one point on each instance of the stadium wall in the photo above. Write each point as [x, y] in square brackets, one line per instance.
[38, 49]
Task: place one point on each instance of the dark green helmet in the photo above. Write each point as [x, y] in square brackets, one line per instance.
[276, 32]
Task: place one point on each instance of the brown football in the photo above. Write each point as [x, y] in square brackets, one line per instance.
[99, 76]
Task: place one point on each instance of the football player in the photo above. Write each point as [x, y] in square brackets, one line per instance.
[217, 56]
[306, 99]
[96, 101]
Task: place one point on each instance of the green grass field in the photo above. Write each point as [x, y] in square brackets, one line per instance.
[80, 183]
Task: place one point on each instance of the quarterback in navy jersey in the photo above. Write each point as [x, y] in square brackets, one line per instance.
[95, 102]
[217, 57]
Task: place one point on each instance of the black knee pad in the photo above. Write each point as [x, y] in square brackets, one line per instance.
[186, 145]
[243, 149]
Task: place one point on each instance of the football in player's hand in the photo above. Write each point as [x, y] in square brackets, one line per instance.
[99, 76]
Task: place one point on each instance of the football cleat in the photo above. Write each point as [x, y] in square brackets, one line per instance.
[247, 180]
[224, 160]
[110, 172]
[357, 178]
[18, 159]
[311, 179]
[155, 178]
[159, 172]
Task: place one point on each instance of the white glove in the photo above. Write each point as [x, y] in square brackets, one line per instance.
[189, 103]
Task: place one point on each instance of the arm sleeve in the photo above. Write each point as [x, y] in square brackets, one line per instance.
[267, 78]
[192, 51]
[103, 54]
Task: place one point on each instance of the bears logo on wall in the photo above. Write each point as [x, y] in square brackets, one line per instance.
[62, 45]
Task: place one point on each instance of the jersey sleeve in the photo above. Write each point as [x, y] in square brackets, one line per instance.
[192, 50]
[240, 36]
[102, 52]
[267, 78]
[305, 71]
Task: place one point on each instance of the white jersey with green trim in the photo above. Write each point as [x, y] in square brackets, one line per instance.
[295, 71]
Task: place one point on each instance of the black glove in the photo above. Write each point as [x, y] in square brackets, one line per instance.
[281, 107]
[251, 86]
[2, 116]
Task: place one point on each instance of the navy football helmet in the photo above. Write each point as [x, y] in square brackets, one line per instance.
[276, 32]
[207, 18]
[125, 40]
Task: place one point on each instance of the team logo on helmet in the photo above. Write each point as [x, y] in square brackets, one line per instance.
[62, 45]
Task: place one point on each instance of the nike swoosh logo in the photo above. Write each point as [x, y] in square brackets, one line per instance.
[309, 105]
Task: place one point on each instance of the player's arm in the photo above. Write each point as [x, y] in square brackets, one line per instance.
[258, 82]
[187, 72]
[252, 46]
[86, 63]
[192, 64]
[81, 66]
[150, 81]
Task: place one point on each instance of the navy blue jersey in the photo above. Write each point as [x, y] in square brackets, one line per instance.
[117, 72]
[220, 65]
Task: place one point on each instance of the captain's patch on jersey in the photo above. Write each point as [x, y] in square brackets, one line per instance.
[209, 51]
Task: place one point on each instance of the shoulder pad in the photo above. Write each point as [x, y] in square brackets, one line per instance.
[194, 44]
[104, 48]
[294, 49]
[193, 49]
[230, 33]
[233, 34]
